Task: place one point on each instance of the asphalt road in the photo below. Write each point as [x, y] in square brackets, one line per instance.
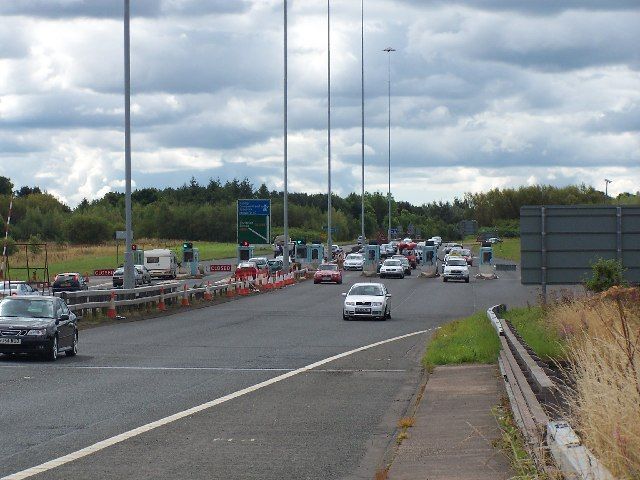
[333, 421]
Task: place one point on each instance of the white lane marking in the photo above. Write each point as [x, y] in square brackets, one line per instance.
[215, 369]
[96, 447]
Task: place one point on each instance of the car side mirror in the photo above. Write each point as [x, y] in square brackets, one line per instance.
[64, 317]
[344, 294]
[388, 295]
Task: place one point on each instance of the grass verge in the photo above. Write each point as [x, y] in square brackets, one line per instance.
[537, 332]
[512, 444]
[469, 340]
[508, 249]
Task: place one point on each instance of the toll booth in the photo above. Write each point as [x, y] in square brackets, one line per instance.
[485, 263]
[315, 254]
[137, 255]
[301, 254]
[371, 255]
[190, 258]
[429, 254]
[245, 252]
[486, 254]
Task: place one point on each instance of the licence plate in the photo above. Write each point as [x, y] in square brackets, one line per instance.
[65, 284]
[363, 310]
[12, 341]
[326, 278]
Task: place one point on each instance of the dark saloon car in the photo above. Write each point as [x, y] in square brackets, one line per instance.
[37, 325]
[69, 282]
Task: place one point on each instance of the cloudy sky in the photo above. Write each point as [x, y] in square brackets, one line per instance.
[485, 93]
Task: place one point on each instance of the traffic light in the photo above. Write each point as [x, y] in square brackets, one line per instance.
[244, 243]
[187, 246]
[301, 241]
[134, 247]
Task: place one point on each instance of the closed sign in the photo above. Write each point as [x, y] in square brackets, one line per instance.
[219, 268]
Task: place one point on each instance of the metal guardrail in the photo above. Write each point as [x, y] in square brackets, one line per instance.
[529, 385]
[82, 301]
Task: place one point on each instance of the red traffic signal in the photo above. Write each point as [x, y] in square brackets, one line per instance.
[134, 247]
[244, 243]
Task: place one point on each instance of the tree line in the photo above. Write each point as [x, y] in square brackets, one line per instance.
[208, 212]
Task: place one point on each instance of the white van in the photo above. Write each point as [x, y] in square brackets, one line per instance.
[161, 263]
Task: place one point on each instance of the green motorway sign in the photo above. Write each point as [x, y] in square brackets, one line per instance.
[254, 221]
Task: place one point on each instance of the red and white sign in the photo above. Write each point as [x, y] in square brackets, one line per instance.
[219, 268]
[105, 272]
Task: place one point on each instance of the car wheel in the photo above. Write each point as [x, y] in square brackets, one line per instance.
[339, 282]
[344, 317]
[388, 314]
[466, 280]
[315, 282]
[52, 354]
[402, 277]
[74, 349]
[444, 279]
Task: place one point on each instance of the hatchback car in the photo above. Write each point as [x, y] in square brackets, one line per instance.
[246, 270]
[328, 272]
[275, 265]
[261, 264]
[392, 268]
[367, 300]
[405, 263]
[118, 276]
[69, 282]
[37, 325]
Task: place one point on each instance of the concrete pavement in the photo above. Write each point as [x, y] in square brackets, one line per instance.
[454, 429]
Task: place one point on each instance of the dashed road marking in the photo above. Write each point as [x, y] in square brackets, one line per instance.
[96, 447]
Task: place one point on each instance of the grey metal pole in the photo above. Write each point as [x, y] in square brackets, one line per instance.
[362, 109]
[329, 236]
[389, 50]
[128, 278]
[285, 250]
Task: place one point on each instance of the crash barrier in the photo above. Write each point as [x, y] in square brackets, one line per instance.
[534, 395]
[506, 266]
[159, 296]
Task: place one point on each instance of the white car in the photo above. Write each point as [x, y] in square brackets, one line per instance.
[392, 268]
[456, 268]
[405, 263]
[354, 261]
[21, 288]
[367, 300]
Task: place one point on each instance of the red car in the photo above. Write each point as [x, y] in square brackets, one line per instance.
[328, 272]
[246, 270]
[467, 255]
[411, 256]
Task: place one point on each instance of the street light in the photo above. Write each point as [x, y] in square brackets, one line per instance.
[329, 239]
[362, 93]
[389, 50]
[285, 251]
[606, 187]
[128, 278]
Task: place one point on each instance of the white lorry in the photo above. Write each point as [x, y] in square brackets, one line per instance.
[161, 263]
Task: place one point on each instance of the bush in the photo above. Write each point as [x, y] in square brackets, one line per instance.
[88, 229]
[33, 241]
[605, 274]
[11, 246]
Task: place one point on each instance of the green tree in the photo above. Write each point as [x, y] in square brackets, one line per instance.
[6, 187]
[88, 229]
[604, 275]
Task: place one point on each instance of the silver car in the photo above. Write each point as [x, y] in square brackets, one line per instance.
[8, 289]
[367, 300]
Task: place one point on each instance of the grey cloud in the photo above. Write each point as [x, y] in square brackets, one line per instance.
[539, 7]
[114, 8]
[624, 121]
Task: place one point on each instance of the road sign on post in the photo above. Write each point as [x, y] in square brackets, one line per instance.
[254, 221]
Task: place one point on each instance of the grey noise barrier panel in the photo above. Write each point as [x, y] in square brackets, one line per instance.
[559, 243]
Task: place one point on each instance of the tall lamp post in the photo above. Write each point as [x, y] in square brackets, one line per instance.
[606, 187]
[362, 94]
[285, 250]
[389, 50]
[329, 239]
[128, 278]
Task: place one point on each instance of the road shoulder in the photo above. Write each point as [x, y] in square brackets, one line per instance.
[454, 428]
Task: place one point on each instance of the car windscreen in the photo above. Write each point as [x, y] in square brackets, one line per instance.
[454, 262]
[152, 260]
[354, 256]
[392, 263]
[22, 307]
[328, 266]
[118, 271]
[366, 290]
[465, 252]
[247, 265]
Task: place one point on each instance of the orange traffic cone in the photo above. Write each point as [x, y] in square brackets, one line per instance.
[111, 311]
[231, 289]
[161, 305]
[185, 297]
[207, 292]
